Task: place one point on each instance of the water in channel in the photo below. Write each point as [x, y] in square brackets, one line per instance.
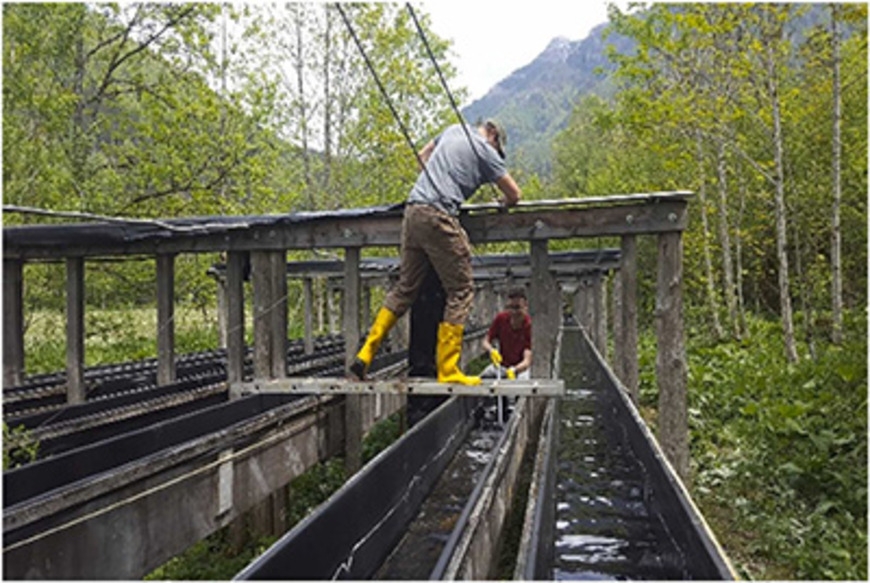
[605, 527]
[416, 555]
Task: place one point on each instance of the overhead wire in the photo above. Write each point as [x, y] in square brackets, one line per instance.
[384, 93]
[453, 104]
[389, 102]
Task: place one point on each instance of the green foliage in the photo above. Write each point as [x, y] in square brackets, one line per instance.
[314, 487]
[19, 447]
[381, 436]
[695, 110]
[211, 559]
[780, 453]
[114, 336]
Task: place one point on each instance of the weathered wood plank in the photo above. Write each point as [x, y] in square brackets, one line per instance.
[627, 342]
[261, 284]
[235, 319]
[278, 314]
[165, 319]
[75, 329]
[309, 315]
[13, 323]
[671, 367]
[353, 405]
[340, 386]
[545, 307]
[646, 215]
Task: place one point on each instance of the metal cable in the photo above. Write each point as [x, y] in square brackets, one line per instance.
[384, 94]
[453, 104]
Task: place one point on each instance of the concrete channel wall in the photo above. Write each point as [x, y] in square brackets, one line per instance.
[477, 552]
[123, 523]
[663, 489]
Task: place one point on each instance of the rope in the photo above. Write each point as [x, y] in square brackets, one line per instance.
[453, 104]
[384, 94]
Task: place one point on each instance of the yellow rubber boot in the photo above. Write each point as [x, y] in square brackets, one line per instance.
[384, 321]
[447, 355]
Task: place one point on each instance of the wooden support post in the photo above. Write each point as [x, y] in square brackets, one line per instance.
[235, 316]
[616, 311]
[165, 319]
[599, 315]
[353, 412]
[588, 306]
[222, 312]
[13, 322]
[331, 309]
[366, 304]
[545, 310]
[309, 316]
[278, 314]
[75, 330]
[320, 289]
[261, 289]
[671, 367]
[628, 340]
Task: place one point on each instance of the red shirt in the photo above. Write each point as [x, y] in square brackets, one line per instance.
[511, 342]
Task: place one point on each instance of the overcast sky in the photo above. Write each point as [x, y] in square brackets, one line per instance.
[492, 39]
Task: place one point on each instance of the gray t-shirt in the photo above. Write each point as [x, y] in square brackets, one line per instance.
[456, 170]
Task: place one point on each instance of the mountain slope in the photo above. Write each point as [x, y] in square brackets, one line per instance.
[535, 102]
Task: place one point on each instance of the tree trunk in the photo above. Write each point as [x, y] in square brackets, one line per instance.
[836, 236]
[302, 105]
[725, 241]
[327, 101]
[781, 238]
[712, 302]
[738, 257]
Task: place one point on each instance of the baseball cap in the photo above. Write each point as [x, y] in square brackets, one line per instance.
[500, 135]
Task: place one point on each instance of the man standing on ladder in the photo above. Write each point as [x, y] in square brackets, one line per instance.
[454, 166]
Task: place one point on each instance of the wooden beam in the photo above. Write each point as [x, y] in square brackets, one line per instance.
[13, 323]
[627, 343]
[353, 405]
[235, 302]
[671, 366]
[339, 386]
[261, 289]
[278, 314]
[641, 215]
[75, 330]
[309, 315]
[599, 314]
[165, 319]
[545, 309]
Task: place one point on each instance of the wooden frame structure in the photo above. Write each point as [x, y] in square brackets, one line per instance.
[268, 238]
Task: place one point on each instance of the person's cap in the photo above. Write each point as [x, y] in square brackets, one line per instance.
[500, 135]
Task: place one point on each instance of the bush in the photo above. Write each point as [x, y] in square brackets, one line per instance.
[779, 453]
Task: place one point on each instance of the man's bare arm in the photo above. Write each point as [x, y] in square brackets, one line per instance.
[509, 188]
[525, 363]
[425, 154]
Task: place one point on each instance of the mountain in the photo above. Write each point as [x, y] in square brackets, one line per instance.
[535, 102]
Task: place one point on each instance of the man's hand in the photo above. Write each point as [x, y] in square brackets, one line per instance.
[495, 357]
[511, 373]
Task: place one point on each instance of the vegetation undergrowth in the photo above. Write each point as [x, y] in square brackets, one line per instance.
[779, 451]
[19, 446]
